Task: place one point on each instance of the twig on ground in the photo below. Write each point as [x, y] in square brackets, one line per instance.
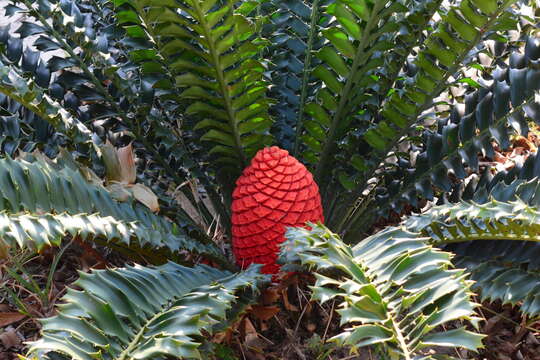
[329, 320]
[509, 320]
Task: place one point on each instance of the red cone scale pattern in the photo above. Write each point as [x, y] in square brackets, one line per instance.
[274, 192]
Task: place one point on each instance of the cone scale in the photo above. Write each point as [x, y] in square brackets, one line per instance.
[274, 192]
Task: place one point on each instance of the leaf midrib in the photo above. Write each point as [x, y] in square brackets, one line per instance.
[454, 152]
[344, 96]
[380, 158]
[221, 81]
[306, 73]
[125, 355]
[99, 86]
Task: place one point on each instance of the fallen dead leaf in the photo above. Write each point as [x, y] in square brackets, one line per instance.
[490, 324]
[500, 158]
[128, 171]
[517, 151]
[264, 313]
[8, 318]
[113, 168]
[222, 337]
[524, 142]
[248, 327]
[507, 347]
[146, 196]
[251, 336]
[118, 191]
[270, 295]
[286, 302]
[10, 339]
[253, 342]
[254, 355]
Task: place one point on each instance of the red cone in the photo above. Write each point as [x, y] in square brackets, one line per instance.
[274, 192]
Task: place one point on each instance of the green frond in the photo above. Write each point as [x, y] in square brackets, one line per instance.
[97, 83]
[467, 221]
[39, 231]
[441, 55]
[504, 263]
[495, 280]
[491, 114]
[32, 97]
[210, 51]
[522, 186]
[292, 30]
[143, 312]
[39, 201]
[151, 62]
[392, 288]
[356, 41]
[366, 46]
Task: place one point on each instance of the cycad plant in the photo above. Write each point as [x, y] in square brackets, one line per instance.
[390, 103]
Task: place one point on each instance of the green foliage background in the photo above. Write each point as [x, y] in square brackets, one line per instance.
[391, 103]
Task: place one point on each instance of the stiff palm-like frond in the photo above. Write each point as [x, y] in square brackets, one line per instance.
[41, 204]
[496, 241]
[441, 55]
[81, 67]
[143, 313]
[292, 30]
[491, 114]
[392, 289]
[33, 98]
[209, 51]
[358, 40]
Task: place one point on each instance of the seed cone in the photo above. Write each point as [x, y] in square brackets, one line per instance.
[274, 192]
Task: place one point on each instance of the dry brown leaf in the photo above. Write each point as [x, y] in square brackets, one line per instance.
[531, 339]
[517, 151]
[253, 342]
[90, 258]
[251, 336]
[128, 171]
[248, 327]
[146, 196]
[507, 347]
[222, 337]
[270, 295]
[500, 158]
[490, 324]
[252, 355]
[286, 302]
[264, 313]
[288, 278]
[4, 250]
[8, 318]
[112, 163]
[10, 339]
[118, 191]
[524, 142]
